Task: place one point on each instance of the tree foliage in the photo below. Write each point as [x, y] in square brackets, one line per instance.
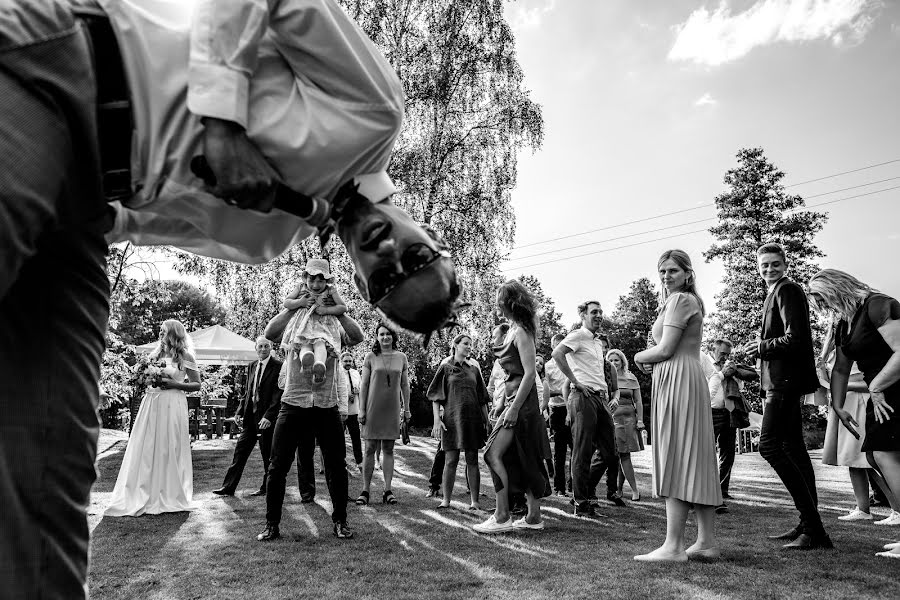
[632, 319]
[754, 211]
[550, 318]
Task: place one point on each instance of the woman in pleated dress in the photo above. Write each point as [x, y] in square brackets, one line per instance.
[685, 468]
[156, 475]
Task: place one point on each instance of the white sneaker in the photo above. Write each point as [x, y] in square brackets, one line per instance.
[892, 545]
[892, 519]
[523, 524]
[492, 526]
[856, 515]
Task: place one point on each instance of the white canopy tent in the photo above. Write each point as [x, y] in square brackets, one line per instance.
[216, 345]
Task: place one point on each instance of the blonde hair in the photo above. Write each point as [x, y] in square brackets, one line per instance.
[174, 343]
[621, 355]
[681, 258]
[838, 293]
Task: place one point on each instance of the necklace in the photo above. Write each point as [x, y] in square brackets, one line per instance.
[385, 367]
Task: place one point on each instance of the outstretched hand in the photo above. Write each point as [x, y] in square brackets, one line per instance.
[847, 421]
[243, 177]
[881, 407]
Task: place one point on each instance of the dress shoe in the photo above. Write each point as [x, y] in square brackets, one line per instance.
[791, 534]
[722, 509]
[307, 499]
[223, 492]
[433, 493]
[341, 531]
[726, 496]
[258, 493]
[585, 510]
[271, 532]
[616, 498]
[810, 542]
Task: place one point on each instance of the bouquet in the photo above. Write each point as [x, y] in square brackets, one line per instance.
[148, 373]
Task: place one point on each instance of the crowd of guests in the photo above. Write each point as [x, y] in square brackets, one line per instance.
[557, 425]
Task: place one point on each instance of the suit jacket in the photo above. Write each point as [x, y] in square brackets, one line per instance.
[269, 393]
[786, 350]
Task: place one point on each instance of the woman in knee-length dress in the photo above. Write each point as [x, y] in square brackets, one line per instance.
[685, 468]
[156, 475]
[514, 451]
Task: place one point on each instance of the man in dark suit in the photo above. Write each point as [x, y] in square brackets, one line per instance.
[788, 373]
[258, 410]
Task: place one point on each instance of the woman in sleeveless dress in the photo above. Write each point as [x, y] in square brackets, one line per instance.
[156, 475]
[685, 468]
[867, 331]
[514, 450]
[383, 402]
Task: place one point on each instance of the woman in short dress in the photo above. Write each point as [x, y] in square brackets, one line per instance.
[514, 452]
[628, 418]
[867, 331]
[156, 475]
[383, 399]
[459, 389]
[685, 466]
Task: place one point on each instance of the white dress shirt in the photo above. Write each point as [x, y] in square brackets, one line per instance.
[313, 92]
[555, 381]
[586, 357]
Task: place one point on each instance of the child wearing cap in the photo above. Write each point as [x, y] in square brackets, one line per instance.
[314, 331]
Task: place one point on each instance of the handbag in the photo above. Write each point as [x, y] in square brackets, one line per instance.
[404, 432]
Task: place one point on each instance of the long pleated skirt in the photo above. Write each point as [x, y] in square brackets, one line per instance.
[156, 475]
[685, 465]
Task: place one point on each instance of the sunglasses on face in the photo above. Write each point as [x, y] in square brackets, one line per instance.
[415, 258]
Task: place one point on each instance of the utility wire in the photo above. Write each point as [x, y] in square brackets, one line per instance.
[684, 210]
[546, 262]
[621, 237]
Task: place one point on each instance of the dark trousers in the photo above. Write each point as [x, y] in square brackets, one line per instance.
[296, 426]
[562, 440]
[437, 468]
[725, 439]
[306, 468]
[781, 444]
[244, 447]
[54, 300]
[352, 426]
[593, 445]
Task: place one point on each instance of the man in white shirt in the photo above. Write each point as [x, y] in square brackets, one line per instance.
[352, 423]
[718, 369]
[593, 397]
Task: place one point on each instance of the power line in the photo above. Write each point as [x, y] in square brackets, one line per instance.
[684, 210]
[621, 237]
[546, 262]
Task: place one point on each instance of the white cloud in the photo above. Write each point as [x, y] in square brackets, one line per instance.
[706, 100]
[716, 37]
[528, 14]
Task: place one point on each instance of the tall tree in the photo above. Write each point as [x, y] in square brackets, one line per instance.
[141, 311]
[550, 318]
[632, 320]
[756, 210]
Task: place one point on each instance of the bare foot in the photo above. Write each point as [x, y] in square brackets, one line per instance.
[698, 551]
[663, 555]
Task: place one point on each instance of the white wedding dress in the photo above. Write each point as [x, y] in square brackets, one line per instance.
[156, 475]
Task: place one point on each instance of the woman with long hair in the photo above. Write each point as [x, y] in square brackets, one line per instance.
[629, 420]
[156, 475]
[459, 389]
[383, 401]
[867, 330]
[514, 449]
[685, 468]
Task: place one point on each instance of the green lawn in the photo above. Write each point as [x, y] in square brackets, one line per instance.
[410, 550]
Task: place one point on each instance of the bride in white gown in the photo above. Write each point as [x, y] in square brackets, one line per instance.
[156, 475]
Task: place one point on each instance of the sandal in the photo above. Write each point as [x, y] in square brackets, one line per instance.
[388, 497]
[363, 498]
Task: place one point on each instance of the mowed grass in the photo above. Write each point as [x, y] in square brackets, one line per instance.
[411, 550]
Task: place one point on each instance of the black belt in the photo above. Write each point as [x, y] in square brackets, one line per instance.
[115, 121]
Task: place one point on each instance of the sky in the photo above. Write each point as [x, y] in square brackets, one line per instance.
[646, 103]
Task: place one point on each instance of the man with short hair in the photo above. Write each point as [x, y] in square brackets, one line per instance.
[309, 411]
[352, 422]
[562, 433]
[593, 397]
[721, 375]
[788, 372]
[256, 412]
